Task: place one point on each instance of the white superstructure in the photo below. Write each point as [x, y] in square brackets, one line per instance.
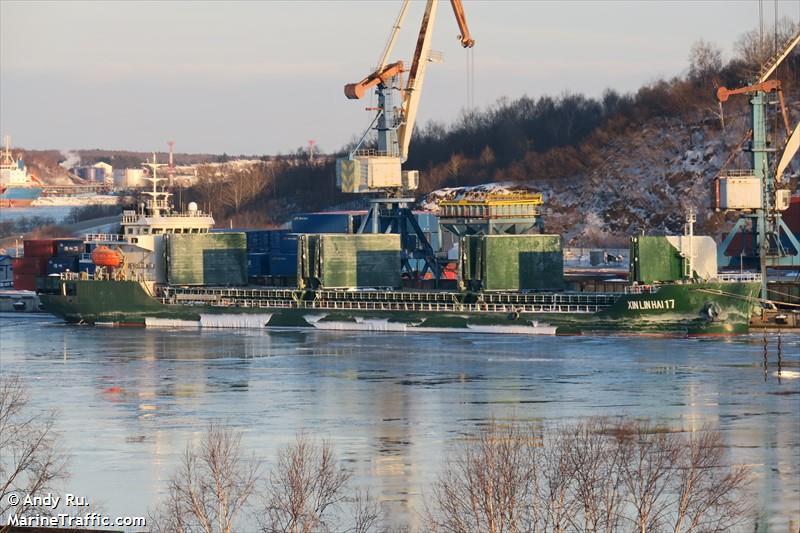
[12, 171]
[143, 229]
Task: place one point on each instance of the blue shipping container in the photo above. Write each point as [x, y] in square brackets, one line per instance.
[283, 265]
[257, 265]
[325, 223]
[87, 266]
[69, 246]
[288, 244]
[275, 237]
[62, 263]
[258, 241]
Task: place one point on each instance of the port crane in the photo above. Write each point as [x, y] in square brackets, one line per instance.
[379, 170]
[756, 192]
[368, 170]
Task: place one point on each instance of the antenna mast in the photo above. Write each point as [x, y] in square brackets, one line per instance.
[159, 201]
[171, 168]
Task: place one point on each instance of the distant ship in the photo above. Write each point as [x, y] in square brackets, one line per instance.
[18, 188]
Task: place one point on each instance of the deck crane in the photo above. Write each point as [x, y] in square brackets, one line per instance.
[755, 192]
[379, 170]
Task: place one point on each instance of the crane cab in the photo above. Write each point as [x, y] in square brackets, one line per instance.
[374, 173]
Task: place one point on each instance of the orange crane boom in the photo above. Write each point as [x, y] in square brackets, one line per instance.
[466, 39]
[355, 91]
[767, 86]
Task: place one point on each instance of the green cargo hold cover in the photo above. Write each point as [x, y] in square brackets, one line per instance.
[512, 262]
[206, 259]
[349, 261]
[654, 259]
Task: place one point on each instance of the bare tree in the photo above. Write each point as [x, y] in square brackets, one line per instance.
[554, 497]
[240, 185]
[486, 485]
[710, 494]
[210, 488]
[306, 486]
[592, 476]
[755, 48]
[30, 462]
[596, 486]
[455, 165]
[367, 513]
[705, 61]
[647, 469]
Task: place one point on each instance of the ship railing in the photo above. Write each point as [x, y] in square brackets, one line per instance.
[133, 219]
[396, 306]
[550, 298]
[415, 297]
[104, 237]
[187, 214]
[371, 152]
[739, 277]
[642, 289]
[738, 173]
[72, 276]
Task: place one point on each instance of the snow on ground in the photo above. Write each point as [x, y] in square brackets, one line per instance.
[431, 201]
[645, 181]
[99, 199]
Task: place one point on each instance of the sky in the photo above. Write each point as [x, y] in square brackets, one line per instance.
[263, 77]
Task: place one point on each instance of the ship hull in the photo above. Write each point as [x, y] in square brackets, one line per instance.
[680, 309]
[19, 196]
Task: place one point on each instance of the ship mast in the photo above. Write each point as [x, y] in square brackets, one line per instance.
[159, 201]
[8, 160]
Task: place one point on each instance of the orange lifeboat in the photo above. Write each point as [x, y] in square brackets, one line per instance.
[103, 256]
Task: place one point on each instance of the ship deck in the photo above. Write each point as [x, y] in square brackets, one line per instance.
[390, 300]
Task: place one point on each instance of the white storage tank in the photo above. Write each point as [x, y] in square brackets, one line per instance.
[128, 178]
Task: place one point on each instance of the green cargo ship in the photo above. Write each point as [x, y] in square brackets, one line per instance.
[705, 308]
[176, 273]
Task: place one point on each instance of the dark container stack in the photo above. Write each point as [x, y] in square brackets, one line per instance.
[62, 263]
[66, 256]
[283, 264]
[258, 241]
[271, 252]
[71, 247]
[328, 222]
[39, 247]
[257, 264]
[26, 270]
[43, 257]
[87, 265]
[283, 256]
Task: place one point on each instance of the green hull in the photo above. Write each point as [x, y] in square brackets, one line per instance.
[679, 309]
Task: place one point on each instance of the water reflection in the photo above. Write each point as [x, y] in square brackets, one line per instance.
[131, 400]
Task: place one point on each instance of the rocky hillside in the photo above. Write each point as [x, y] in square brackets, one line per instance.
[644, 179]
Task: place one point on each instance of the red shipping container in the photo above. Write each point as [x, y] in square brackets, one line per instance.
[740, 241]
[792, 215]
[39, 247]
[36, 266]
[24, 282]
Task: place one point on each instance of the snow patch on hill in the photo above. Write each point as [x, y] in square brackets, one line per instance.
[644, 181]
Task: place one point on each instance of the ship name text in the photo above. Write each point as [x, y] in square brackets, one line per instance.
[646, 305]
